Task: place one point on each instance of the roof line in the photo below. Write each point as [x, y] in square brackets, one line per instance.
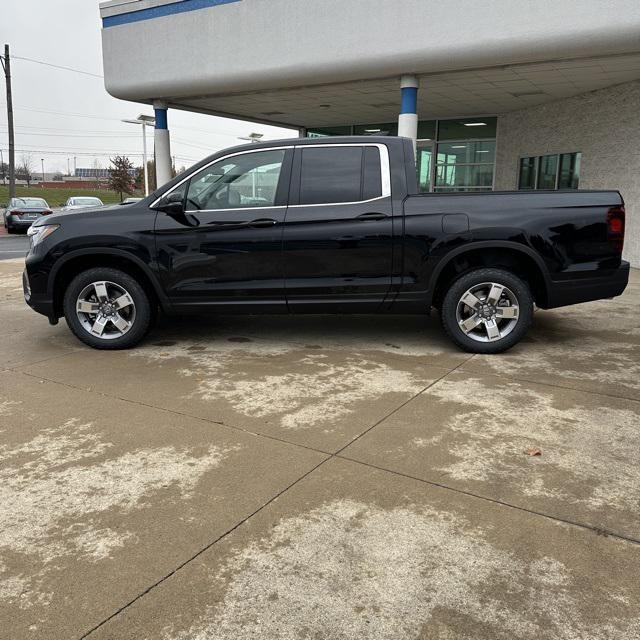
[172, 8]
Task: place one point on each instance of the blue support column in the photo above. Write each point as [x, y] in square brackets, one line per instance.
[162, 144]
[408, 118]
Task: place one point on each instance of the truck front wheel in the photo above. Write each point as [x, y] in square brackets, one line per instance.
[107, 309]
[487, 310]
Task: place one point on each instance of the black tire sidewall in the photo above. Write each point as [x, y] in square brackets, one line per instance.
[449, 305]
[135, 290]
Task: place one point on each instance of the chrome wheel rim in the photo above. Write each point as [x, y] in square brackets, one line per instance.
[487, 312]
[105, 310]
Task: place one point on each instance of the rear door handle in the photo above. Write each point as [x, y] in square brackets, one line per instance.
[372, 216]
[262, 222]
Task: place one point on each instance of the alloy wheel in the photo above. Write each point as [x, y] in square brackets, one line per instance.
[487, 312]
[105, 310]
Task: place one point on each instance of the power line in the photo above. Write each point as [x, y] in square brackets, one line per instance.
[32, 148]
[57, 66]
[67, 113]
[75, 135]
[191, 144]
[30, 127]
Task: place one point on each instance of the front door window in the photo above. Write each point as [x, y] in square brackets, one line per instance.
[245, 180]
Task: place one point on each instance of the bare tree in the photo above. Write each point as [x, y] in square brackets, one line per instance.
[24, 170]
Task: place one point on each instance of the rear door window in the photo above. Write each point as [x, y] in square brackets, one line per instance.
[331, 175]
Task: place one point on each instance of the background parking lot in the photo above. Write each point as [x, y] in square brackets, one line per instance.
[301, 477]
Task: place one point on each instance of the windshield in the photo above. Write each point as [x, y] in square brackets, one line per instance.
[86, 201]
[28, 203]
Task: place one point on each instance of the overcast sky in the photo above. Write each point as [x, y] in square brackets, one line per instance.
[67, 33]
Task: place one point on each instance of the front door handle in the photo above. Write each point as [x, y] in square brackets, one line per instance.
[262, 222]
[372, 216]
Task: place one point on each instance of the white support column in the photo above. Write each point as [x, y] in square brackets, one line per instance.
[162, 144]
[408, 118]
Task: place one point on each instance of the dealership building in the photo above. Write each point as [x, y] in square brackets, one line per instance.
[497, 94]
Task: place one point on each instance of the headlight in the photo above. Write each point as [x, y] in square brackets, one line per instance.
[40, 232]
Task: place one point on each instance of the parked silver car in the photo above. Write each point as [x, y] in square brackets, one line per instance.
[81, 202]
[20, 213]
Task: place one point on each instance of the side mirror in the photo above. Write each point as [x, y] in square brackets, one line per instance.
[172, 204]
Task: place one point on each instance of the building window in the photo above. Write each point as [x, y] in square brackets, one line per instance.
[324, 132]
[377, 129]
[456, 154]
[527, 178]
[569, 174]
[467, 128]
[465, 166]
[553, 171]
[547, 172]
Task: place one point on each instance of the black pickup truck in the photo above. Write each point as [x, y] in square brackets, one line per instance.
[330, 225]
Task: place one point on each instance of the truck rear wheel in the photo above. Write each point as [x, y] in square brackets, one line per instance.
[487, 310]
[107, 309]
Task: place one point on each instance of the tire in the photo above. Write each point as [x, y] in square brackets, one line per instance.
[479, 323]
[123, 301]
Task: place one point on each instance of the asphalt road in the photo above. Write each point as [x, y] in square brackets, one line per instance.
[14, 246]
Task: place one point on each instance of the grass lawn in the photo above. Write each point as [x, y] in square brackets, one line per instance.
[55, 196]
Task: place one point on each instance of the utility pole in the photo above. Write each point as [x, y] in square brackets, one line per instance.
[6, 65]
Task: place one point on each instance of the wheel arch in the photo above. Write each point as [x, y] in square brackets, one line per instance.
[514, 257]
[74, 263]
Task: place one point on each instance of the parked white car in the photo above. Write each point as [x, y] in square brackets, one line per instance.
[82, 202]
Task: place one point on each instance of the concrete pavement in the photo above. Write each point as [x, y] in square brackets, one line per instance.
[347, 477]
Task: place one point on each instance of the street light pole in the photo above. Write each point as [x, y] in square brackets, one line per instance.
[145, 121]
[252, 137]
[42, 161]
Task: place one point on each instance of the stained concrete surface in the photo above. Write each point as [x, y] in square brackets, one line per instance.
[320, 478]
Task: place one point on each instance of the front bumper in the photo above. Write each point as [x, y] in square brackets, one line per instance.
[569, 292]
[39, 302]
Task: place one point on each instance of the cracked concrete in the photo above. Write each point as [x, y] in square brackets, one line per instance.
[309, 477]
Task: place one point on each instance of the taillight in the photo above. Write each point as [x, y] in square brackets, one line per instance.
[46, 212]
[14, 213]
[615, 228]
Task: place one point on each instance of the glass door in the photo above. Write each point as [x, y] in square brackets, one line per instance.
[424, 164]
